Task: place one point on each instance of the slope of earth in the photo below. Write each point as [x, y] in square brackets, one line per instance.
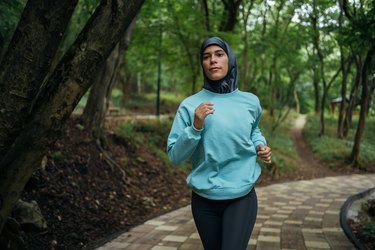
[83, 199]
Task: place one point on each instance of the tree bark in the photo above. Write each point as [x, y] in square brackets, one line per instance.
[316, 43]
[94, 113]
[316, 90]
[65, 87]
[353, 97]
[343, 107]
[27, 61]
[204, 7]
[2, 45]
[245, 59]
[345, 72]
[229, 17]
[93, 116]
[365, 96]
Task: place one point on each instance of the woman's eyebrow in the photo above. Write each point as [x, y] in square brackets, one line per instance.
[216, 51]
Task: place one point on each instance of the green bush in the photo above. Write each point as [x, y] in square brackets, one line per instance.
[284, 155]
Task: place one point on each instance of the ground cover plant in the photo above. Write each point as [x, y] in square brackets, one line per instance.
[335, 151]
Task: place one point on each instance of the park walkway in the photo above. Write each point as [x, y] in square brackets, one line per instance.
[293, 215]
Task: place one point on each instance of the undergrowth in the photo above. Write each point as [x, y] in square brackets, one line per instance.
[153, 135]
[284, 155]
[336, 151]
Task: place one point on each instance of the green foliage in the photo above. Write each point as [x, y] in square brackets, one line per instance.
[284, 155]
[369, 230]
[360, 31]
[126, 131]
[151, 134]
[334, 150]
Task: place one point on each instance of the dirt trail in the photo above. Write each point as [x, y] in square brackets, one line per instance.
[310, 167]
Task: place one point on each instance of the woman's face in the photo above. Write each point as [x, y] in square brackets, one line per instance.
[215, 62]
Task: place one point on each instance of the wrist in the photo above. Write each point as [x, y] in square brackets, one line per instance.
[197, 125]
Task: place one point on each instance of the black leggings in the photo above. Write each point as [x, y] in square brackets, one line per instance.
[225, 224]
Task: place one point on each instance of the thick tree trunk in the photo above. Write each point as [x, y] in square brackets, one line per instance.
[229, 17]
[27, 61]
[65, 87]
[365, 96]
[94, 113]
[99, 98]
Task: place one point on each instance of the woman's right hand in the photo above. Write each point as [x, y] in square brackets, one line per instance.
[201, 112]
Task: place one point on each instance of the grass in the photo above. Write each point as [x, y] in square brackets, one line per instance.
[284, 155]
[336, 151]
[147, 102]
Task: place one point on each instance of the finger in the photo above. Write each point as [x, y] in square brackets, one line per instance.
[267, 160]
[266, 151]
[263, 153]
[266, 155]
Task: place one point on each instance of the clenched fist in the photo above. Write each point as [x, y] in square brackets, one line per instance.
[264, 152]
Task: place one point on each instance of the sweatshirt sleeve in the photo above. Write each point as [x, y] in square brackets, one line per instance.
[256, 135]
[182, 139]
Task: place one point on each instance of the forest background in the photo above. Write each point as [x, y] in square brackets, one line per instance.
[91, 58]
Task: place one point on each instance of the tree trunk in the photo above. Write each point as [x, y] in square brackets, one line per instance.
[204, 7]
[345, 72]
[99, 99]
[316, 90]
[229, 16]
[65, 87]
[2, 46]
[94, 113]
[27, 61]
[245, 60]
[316, 43]
[365, 96]
[353, 97]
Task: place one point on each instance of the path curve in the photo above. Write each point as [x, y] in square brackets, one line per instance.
[294, 215]
[310, 167]
[302, 214]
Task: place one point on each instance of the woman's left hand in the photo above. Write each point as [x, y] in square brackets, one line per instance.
[264, 152]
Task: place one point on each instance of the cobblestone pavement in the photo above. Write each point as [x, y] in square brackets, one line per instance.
[293, 215]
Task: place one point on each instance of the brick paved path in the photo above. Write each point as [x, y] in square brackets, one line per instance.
[294, 215]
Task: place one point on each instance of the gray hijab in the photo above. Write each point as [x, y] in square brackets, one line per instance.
[229, 82]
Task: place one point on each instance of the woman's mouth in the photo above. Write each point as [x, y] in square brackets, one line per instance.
[214, 68]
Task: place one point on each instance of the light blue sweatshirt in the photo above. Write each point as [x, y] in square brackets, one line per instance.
[223, 155]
